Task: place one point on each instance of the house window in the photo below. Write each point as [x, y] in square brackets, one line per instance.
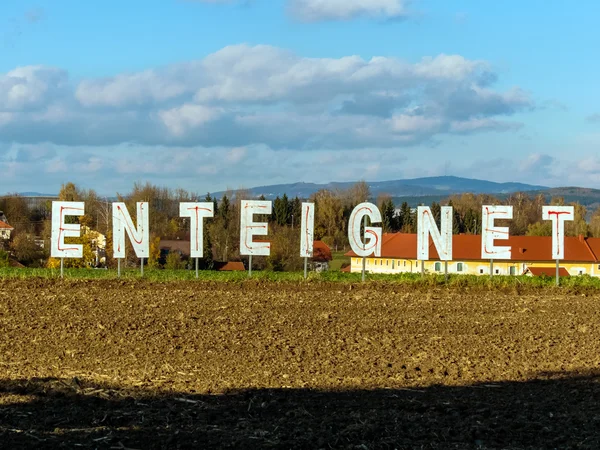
[405, 264]
[438, 266]
[513, 270]
[481, 271]
[581, 272]
[459, 267]
[497, 271]
[393, 264]
[387, 262]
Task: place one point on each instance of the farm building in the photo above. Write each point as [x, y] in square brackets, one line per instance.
[321, 256]
[399, 254]
[5, 230]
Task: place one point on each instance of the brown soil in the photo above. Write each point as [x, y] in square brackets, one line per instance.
[110, 364]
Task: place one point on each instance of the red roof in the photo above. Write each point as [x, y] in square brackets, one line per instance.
[321, 252]
[467, 247]
[231, 266]
[5, 226]
[182, 247]
[548, 271]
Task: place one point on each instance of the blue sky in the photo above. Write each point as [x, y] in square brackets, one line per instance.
[207, 95]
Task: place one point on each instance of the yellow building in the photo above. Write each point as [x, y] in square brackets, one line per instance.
[529, 255]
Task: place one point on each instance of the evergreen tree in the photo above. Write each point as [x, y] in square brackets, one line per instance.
[296, 210]
[282, 210]
[436, 212]
[457, 223]
[225, 211]
[388, 211]
[214, 201]
[405, 220]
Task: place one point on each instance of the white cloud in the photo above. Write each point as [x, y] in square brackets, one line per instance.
[589, 165]
[593, 118]
[247, 95]
[318, 10]
[237, 154]
[30, 86]
[473, 125]
[180, 119]
[415, 124]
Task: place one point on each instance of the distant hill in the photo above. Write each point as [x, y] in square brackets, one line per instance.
[36, 194]
[590, 198]
[415, 187]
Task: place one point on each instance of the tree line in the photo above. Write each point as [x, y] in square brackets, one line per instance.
[29, 243]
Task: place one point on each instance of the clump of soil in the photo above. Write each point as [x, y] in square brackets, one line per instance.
[134, 364]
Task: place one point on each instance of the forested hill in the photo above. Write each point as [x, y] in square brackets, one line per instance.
[415, 187]
[590, 198]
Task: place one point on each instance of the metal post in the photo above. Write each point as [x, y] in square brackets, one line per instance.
[557, 276]
[305, 268]
[364, 261]
[62, 265]
[196, 267]
[250, 266]
[422, 268]
[491, 267]
[364, 267]
[142, 266]
[119, 267]
[446, 270]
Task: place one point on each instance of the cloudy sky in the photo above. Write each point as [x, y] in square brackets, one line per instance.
[215, 94]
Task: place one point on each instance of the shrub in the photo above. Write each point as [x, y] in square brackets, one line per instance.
[174, 261]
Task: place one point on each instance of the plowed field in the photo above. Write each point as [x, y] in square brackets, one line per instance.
[134, 364]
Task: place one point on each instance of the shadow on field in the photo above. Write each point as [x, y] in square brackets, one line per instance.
[555, 411]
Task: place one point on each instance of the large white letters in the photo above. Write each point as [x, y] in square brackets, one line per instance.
[489, 233]
[139, 236]
[307, 230]
[61, 230]
[197, 212]
[558, 215]
[426, 226]
[249, 228]
[373, 235]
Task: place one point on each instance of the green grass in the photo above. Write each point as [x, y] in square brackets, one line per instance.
[338, 260]
[415, 279]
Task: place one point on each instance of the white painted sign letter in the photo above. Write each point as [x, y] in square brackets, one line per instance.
[489, 233]
[197, 212]
[426, 227]
[249, 228]
[373, 235]
[307, 230]
[139, 236]
[61, 230]
[558, 215]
